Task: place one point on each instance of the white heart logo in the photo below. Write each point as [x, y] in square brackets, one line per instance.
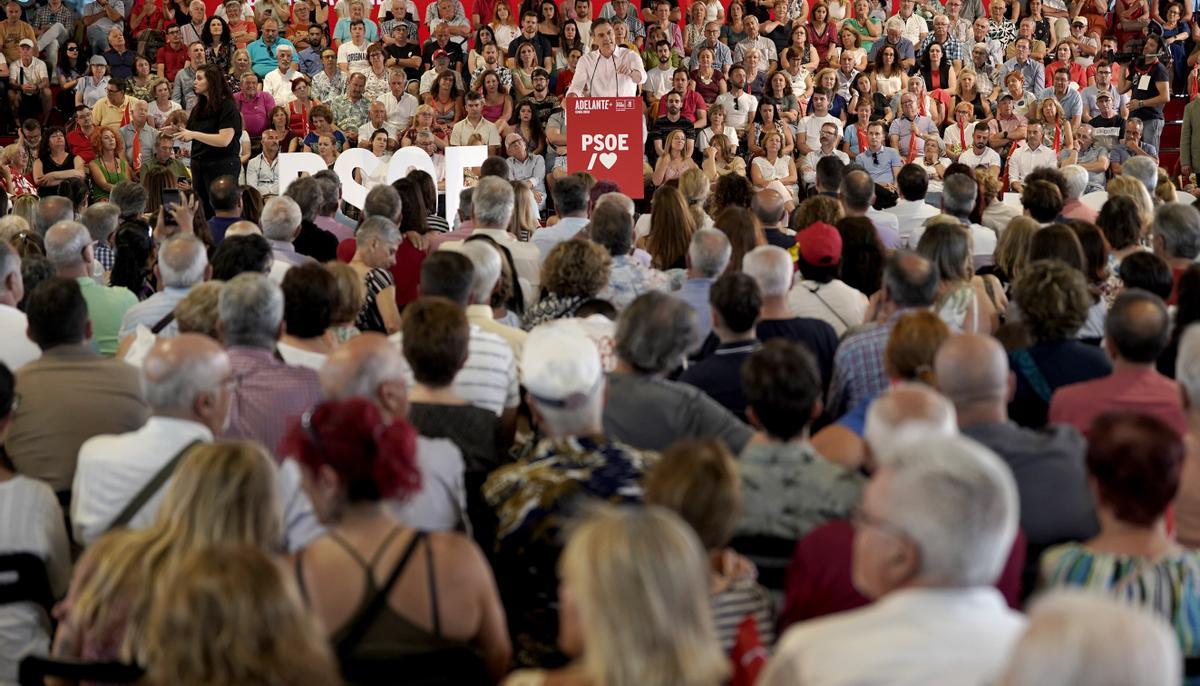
[608, 159]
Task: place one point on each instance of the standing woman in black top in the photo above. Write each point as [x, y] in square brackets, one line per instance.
[214, 128]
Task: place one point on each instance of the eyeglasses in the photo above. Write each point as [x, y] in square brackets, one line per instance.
[875, 158]
[72, 49]
[860, 518]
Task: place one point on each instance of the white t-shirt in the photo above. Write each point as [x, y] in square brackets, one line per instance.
[355, 56]
[989, 158]
[811, 125]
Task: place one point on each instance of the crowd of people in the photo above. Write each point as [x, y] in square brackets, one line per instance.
[823, 409]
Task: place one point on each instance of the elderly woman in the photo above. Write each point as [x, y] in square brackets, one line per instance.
[645, 562]
[376, 243]
[1053, 299]
[437, 591]
[1134, 463]
[573, 273]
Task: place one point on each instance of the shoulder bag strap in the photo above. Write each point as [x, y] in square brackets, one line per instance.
[163, 323]
[1028, 367]
[152, 486]
[362, 622]
[816, 292]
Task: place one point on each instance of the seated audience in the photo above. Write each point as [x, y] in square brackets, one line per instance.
[931, 534]
[1135, 334]
[576, 461]
[70, 394]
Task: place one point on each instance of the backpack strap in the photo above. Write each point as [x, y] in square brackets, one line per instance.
[152, 486]
[362, 622]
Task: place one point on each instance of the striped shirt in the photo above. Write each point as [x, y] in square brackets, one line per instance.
[488, 379]
[741, 598]
[30, 522]
[1169, 586]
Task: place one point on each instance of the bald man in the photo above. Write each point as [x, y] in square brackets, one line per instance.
[243, 228]
[972, 371]
[1136, 332]
[187, 381]
[771, 211]
[368, 366]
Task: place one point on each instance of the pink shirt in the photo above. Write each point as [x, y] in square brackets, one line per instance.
[1144, 391]
[1077, 210]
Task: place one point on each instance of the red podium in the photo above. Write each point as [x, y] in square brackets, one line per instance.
[605, 138]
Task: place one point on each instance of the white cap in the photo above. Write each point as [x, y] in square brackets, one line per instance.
[561, 365]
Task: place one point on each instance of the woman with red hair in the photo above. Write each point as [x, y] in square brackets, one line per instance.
[390, 596]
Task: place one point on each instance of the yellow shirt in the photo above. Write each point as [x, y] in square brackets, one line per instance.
[107, 114]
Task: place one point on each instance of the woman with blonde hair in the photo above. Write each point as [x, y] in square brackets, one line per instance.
[1055, 125]
[695, 188]
[1012, 250]
[1164, 191]
[674, 161]
[220, 493]
[671, 229]
[996, 214]
[230, 615]
[967, 91]
[634, 562]
[524, 221]
[721, 158]
[1136, 191]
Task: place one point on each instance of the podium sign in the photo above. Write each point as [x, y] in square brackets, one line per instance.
[605, 139]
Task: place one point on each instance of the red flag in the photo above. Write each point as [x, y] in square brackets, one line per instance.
[748, 654]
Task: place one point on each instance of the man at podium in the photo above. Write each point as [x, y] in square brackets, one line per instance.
[608, 70]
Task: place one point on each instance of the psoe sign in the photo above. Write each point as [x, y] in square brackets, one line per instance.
[458, 158]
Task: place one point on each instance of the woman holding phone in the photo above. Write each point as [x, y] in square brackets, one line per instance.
[214, 129]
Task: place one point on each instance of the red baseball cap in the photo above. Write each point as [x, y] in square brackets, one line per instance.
[820, 244]
[440, 53]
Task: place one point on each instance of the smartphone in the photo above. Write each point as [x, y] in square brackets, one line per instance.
[170, 196]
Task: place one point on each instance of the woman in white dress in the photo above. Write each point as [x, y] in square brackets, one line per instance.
[774, 170]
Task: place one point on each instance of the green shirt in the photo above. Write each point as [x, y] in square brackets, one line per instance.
[106, 308]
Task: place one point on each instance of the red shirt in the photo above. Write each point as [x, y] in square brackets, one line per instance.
[407, 272]
[819, 583]
[692, 103]
[81, 145]
[1144, 391]
[172, 60]
[564, 82]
